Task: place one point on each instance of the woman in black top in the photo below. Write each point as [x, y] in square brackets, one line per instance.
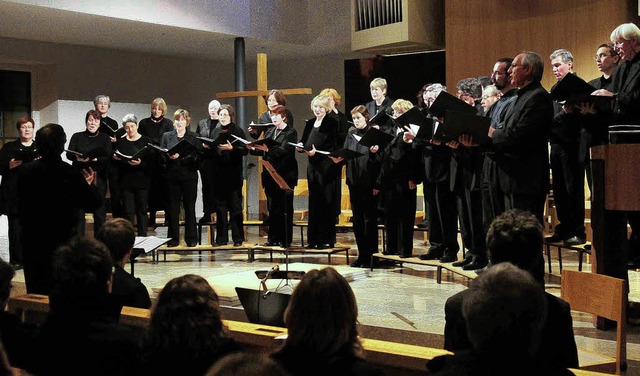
[362, 173]
[273, 99]
[283, 159]
[12, 156]
[91, 149]
[323, 176]
[321, 319]
[181, 178]
[134, 172]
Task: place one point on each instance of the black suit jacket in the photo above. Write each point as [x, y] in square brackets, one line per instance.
[282, 157]
[325, 138]
[558, 345]
[185, 167]
[626, 84]
[521, 142]
[227, 164]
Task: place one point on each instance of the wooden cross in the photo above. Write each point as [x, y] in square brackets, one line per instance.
[262, 107]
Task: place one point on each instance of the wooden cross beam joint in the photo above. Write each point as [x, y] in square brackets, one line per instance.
[261, 93]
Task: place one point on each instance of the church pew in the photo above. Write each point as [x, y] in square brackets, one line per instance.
[394, 358]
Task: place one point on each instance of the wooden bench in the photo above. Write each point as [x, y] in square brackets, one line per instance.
[328, 251]
[470, 274]
[581, 249]
[394, 358]
[206, 248]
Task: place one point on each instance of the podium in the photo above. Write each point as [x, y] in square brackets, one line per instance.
[616, 179]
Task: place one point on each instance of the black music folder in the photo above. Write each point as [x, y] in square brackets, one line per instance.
[222, 138]
[93, 153]
[260, 127]
[269, 142]
[414, 117]
[446, 102]
[26, 155]
[374, 136]
[183, 148]
[459, 123]
[574, 90]
[381, 118]
[346, 154]
[138, 154]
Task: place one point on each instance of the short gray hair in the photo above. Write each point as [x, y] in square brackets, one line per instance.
[565, 55]
[129, 118]
[97, 99]
[626, 31]
[436, 88]
[533, 60]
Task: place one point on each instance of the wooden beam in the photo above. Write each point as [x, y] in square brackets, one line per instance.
[255, 93]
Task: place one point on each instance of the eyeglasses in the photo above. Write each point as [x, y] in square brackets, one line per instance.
[600, 57]
[463, 95]
[496, 73]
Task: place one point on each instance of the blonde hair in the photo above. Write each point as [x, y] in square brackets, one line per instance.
[402, 105]
[331, 93]
[180, 113]
[161, 104]
[380, 83]
[322, 101]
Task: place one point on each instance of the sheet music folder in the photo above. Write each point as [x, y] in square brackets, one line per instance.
[416, 117]
[346, 154]
[446, 102]
[26, 155]
[574, 90]
[375, 136]
[459, 123]
[183, 148]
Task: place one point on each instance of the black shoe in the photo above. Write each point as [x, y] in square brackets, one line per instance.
[310, 246]
[467, 260]
[173, 243]
[205, 219]
[475, 264]
[237, 244]
[555, 238]
[272, 244]
[17, 266]
[449, 257]
[220, 244]
[192, 244]
[405, 255]
[325, 246]
[574, 240]
[423, 224]
[359, 264]
[431, 255]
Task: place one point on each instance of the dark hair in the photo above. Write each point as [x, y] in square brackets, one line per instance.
[507, 61]
[229, 109]
[322, 316]
[94, 114]
[279, 97]
[609, 46]
[50, 140]
[470, 86]
[280, 110]
[362, 110]
[516, 236]
[24, 120]
[505, 311]
[118, 235]
[246, 364]
[185, 323]
[421, 94]
[484, 81]
[6, 276]
[81, 270]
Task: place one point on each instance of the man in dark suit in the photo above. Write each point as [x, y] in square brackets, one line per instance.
[520, 142]
[119, 236]
[516, 237]
[205, 129]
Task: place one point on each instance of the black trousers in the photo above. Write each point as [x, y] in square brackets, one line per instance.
[279, 203]
[568, 189]
[469, 203]
[100, 214]
[365, 222]
[185, 192]
[208, 181]
[135, 203]
[15, 239]
[491, 196]
[531, 202]
[447, 214]
[229, 213]
[399, 217]
[322, 215]
[115, 193]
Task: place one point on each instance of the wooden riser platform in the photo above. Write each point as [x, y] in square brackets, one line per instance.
[435, 263]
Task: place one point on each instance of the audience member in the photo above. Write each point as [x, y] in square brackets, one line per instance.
[516, 237]
[80, 337]
[322, 321]
[505, 313]
[186, 335]
[246, 364]
[119, 236]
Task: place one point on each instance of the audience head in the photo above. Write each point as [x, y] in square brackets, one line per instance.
[606, 58]
[469, 90]
[526, 68]
[378, 88]
[6, 276]
[322, 315]
[516, 236]
[158, 107]
[500, 76]
[400, 106]
[504, 312]
[102, 104]
[226, 114]
[561, 62]
[246, 364]
[334, 97]
[275, 98]
[81, 274]
[186, 317]
[119, 236]
[490, 95]
[626, 40]
[50, 141]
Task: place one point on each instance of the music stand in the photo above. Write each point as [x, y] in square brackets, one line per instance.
[287, 191]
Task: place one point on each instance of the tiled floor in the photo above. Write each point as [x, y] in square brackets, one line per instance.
[399, 304]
